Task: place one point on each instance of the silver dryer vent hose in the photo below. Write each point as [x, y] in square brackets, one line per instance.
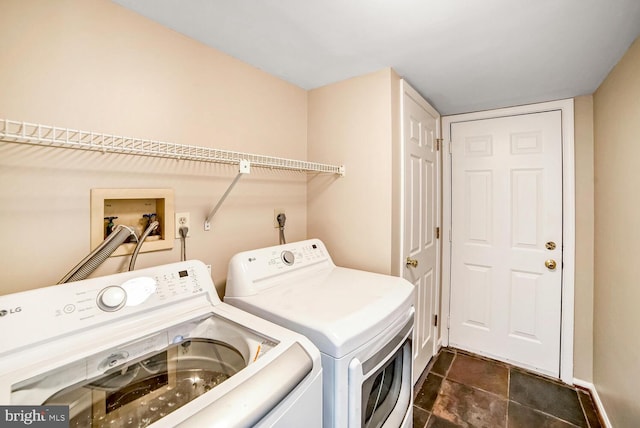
[99, 255]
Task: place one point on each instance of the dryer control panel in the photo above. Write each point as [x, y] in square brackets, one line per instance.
[48, 312]
[255, 270]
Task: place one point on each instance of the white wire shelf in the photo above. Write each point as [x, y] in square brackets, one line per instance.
[52, 136]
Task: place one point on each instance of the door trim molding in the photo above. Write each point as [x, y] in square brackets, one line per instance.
[568, 217]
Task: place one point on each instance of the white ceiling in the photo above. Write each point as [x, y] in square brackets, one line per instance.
[462, 55]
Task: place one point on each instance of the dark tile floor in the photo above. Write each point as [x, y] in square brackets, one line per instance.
[459, 389]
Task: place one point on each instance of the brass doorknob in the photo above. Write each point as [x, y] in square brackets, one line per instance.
[412, 262]
[550, 264]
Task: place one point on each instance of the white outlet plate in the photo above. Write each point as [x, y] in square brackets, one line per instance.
[183, 219]
[277, 211]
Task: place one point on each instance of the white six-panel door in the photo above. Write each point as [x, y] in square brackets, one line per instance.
[421, 217]
[506, 217]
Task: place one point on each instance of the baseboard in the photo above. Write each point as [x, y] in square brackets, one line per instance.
[596, 398]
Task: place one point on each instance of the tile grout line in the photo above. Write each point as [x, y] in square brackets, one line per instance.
[455, 355]
[426, 424]
[584, 412]
[506, 423]
[429, 371]
[477, 388]
[444, 377]
[549, 415]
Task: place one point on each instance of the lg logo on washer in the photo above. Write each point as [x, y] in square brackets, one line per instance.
[4, 312]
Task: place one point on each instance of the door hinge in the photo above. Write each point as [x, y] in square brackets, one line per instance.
[450, 148]
[435, 320]
[437, 233]
[438, 143]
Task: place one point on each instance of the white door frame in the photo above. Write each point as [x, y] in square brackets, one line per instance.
[568, 218]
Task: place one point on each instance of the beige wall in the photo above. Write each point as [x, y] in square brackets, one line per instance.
[583, 327]
[616, 363]
[96, 66]
[353, 121]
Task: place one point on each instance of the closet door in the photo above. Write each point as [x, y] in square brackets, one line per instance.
[421, 245]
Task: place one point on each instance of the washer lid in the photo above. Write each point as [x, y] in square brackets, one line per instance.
[339, 309]
[205, 369]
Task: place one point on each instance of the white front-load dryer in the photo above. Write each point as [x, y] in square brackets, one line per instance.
[362, 322]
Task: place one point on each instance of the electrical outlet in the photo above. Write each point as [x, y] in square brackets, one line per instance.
[277, 211]
[182, 219]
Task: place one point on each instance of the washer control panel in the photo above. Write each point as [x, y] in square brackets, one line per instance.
[51, 311]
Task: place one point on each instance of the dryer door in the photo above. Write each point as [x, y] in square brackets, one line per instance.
[381, 387]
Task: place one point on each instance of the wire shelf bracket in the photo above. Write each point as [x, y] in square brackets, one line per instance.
[52, 136]
[244, 168]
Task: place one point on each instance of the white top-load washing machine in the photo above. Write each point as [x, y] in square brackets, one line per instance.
[154, 347]
[362, 323]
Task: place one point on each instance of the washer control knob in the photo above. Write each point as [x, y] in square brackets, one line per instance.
[111, 298]
[287, 257]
